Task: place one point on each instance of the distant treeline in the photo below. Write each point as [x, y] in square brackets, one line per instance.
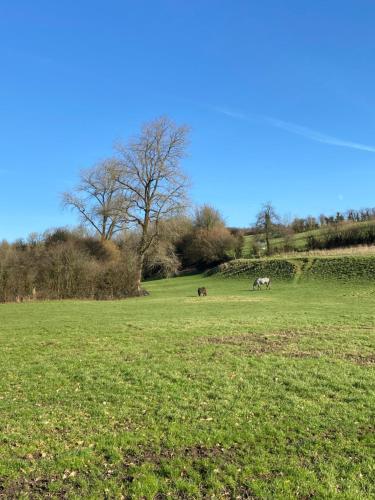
[64, 263]
[309, 223]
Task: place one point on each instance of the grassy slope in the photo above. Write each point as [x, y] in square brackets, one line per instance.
[346, 268]
[299, 240]
[263, 394]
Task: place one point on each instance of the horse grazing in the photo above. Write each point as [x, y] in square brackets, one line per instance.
[202, 291]
[261, 281]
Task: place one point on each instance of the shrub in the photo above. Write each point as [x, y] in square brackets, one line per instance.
[64, 265]
[206, 248]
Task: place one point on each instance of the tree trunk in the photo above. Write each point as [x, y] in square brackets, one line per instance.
[267, 228]
[267, 243]
[140, 261]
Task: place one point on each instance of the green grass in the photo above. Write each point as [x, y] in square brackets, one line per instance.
[239, 394]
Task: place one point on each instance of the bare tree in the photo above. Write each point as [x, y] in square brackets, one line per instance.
[99, 199]
[267, 222]
[152, 180]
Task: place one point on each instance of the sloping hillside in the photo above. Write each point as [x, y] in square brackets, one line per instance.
[346, 268]
[340, 236]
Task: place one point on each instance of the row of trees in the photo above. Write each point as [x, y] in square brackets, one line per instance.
[65, 264]
[300, 225]
[75, 264]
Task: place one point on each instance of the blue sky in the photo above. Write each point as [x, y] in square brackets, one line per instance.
[280, 96]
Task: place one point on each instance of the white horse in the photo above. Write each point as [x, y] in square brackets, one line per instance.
[261, 281]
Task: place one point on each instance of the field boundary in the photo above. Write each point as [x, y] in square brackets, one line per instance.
[344, 268]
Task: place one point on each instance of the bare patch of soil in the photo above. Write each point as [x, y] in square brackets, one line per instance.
[285, 343]
[191, 452]
[225, 299]
[37, 487]
[253, 343]
[360, 359]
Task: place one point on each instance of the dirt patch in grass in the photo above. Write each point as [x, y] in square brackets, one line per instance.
[287, 343]
[37, 487]
[241, 492]
[195, 452]
[257, 344]
[194, 457]
[360, 359]
[260, 297]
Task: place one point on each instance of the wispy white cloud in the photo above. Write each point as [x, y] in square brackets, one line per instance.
[317, 136]
[232, 114]
[298, 130]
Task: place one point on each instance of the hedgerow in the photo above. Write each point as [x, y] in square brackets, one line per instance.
[275, 268]
[349, 268]
[343, 268]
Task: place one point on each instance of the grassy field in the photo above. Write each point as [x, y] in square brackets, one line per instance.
[239, 394]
